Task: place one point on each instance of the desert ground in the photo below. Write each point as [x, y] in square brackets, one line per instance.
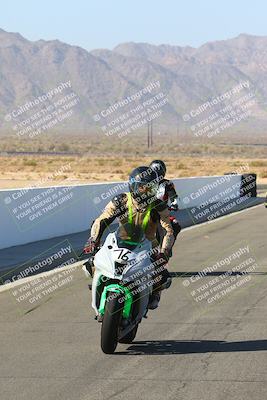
[66, 160]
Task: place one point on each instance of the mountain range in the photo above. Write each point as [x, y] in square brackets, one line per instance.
[188, 76]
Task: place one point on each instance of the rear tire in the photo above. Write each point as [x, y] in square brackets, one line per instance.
[110, 325]
[127, 339]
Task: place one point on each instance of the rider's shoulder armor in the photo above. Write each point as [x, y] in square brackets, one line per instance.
[119, 199]
[120, 203]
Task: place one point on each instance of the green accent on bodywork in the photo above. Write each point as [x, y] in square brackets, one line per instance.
[130, 242]
[127, 302]
[116, 288]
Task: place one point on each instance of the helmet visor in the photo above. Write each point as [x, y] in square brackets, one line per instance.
[148, 189]
[144, 185]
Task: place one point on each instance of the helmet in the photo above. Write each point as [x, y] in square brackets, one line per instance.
[143, 184]
[159, 166]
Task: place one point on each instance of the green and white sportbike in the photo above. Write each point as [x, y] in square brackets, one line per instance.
[121, 288]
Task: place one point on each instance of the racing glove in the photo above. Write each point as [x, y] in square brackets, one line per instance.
[174, 205]
[90, 246]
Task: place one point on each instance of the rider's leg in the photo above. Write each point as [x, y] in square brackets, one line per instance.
[161, 280]
[89, 268]
[154, 300]
[156, 294]
[176, 230]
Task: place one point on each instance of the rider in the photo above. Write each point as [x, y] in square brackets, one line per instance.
[166, 193]
[139, 208]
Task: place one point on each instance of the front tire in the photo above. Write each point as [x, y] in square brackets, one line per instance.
[130, 336]
[110, 325]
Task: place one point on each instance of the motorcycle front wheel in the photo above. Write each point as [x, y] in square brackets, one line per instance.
[110, 325]
[130, 336]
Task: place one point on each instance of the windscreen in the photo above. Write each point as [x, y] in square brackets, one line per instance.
[129, 236]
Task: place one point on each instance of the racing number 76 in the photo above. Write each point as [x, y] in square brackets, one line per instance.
[123, 254]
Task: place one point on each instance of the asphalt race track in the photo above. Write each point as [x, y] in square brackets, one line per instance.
[202, 343]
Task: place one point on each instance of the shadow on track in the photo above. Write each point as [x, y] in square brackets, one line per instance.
[165, 347]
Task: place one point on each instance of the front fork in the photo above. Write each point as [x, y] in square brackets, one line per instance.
[123, 294]
[98, 304]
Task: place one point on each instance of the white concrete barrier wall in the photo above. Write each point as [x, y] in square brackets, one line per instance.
[29, 215]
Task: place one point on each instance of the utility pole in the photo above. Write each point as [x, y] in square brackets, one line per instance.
[149, 134]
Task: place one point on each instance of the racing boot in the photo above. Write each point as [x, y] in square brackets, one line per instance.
[154, 300]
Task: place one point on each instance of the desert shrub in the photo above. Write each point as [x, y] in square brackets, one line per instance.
[101, 162]
[181, 165]
[64, 147]
[29, 163]
[258, 163]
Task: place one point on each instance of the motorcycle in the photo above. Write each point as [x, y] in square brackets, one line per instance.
[122, 284]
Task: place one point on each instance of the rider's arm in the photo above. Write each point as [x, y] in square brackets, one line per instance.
[115, 208]
[168, 238]
[170, 189]
[103, 221]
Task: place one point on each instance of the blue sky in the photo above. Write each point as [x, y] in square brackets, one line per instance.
[105, 23]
